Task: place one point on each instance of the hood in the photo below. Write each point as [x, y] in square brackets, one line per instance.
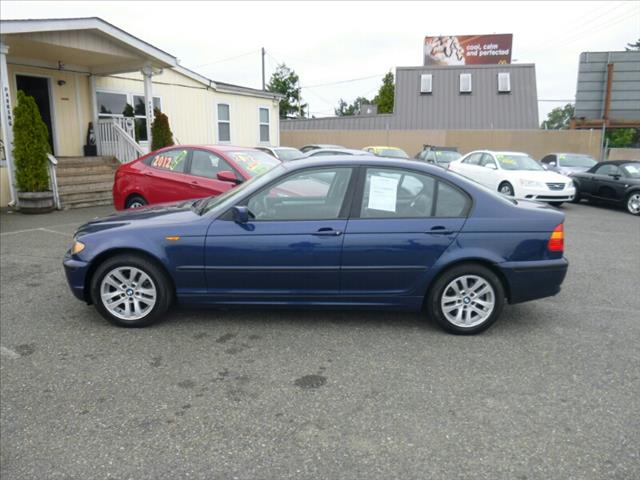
[171, 214]
[570, 170]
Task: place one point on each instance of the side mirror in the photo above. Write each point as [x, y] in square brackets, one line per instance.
[491, 166]
[553, 164]
[240, 214]
[227, 176]
[615, 176]
[545, 166]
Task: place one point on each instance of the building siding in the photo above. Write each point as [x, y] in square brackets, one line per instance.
[446, 107]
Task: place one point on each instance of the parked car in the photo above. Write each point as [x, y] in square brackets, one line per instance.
[516, 175]
[342, 232]
[438, 155]
[390, 152]
[184, 172]
[567, 163]
[323, 152]
[315, 146]
[284, 154]
[616, 182]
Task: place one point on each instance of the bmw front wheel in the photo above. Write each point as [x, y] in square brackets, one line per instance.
[466, 299]
[130, 291]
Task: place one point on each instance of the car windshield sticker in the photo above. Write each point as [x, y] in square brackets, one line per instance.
[507, 160]
[250, 163]
[382, 193]
[561, 157]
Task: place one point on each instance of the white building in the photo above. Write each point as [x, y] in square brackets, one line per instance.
[86, 70]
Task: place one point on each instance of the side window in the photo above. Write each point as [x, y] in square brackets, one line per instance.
[548, 159]
[173, 160]
[451, 202]
[208, 164]
[224, 123]
[264, 124]
[394, 193]
[487, 160]
[308, 195]
[608, 170]
[473, 159]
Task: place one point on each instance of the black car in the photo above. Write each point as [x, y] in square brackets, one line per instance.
[616, 182]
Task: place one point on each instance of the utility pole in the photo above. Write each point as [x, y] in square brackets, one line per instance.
[263, 85]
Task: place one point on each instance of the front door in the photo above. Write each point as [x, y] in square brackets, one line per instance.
[290, 248]
[38, 88]
[405, 222]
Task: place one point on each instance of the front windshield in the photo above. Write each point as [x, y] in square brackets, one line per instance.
[517, 162]
[253, 162]
[569, 160]
[210, 203]
[446, 156]
[632, 169]
[392, 153]
[286, 154]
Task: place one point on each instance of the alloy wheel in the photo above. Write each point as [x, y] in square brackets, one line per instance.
[128, 293]
[633, 203]
[468, 301]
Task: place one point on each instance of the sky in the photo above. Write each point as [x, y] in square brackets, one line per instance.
[343, 49]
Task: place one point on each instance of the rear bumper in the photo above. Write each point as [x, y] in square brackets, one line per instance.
[76, 273]
[533, 280]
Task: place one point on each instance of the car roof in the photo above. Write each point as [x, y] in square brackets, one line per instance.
[383, 146]
[323, 145]
[357, 160]
[618, 162]
[284, 148]
[351, 151]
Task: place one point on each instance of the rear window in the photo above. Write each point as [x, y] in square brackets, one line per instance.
[253, 162]
[173, 160]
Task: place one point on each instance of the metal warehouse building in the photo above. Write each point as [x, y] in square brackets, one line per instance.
[449, 97]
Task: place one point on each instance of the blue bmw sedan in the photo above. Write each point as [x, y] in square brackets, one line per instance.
[339, 232]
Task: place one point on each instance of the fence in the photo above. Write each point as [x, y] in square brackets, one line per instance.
[536, 143]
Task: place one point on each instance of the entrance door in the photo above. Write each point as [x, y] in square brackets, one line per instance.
[38, 88]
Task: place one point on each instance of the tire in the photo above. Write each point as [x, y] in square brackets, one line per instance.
[506, 189]
[556, 204]
[632, 202]
[152, 282]
[576, 198]
[135, 201]
[468, 275]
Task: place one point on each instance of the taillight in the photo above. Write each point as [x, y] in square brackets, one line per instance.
[556, 241]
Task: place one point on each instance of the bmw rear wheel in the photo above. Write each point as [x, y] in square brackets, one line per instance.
[506, 188]
[466, 299]
[633, 203]
[130, 291]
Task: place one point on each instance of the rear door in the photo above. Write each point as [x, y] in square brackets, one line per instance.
[606, 182]
[401, 222]
[203, 170]
[166, 180]
[290, 249]
[487, 174]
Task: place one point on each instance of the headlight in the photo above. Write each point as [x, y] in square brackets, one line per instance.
[530, 183]
[77, 247]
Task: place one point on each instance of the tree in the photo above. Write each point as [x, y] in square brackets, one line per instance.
[384, 98]
[623, 137]
[558, 118]
[633, 46]
[30, 146]
[344, 109]
[161, 135]
[286, 82]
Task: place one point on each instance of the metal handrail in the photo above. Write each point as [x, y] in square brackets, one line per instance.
[53, 179]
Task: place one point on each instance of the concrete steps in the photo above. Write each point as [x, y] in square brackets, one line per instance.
[86, 181]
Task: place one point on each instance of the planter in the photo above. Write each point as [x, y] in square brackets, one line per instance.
[36, 202]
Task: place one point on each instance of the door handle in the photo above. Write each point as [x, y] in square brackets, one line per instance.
[194, 184]
[150, 174]
[328, 232]
[439, 230]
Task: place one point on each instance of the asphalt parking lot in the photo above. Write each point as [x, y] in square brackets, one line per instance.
[551, 391]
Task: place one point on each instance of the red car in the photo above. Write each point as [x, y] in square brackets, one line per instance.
[184, 172]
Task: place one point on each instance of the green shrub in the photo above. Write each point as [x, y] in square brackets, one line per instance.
[161, 135]
[30, 146]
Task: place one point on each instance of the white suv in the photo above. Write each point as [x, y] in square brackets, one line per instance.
[515, 174]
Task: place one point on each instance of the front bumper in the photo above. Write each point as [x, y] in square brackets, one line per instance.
[546, 194]
[76, 273]
[533, 280]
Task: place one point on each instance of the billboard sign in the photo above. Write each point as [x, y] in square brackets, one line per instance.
[468, 49]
